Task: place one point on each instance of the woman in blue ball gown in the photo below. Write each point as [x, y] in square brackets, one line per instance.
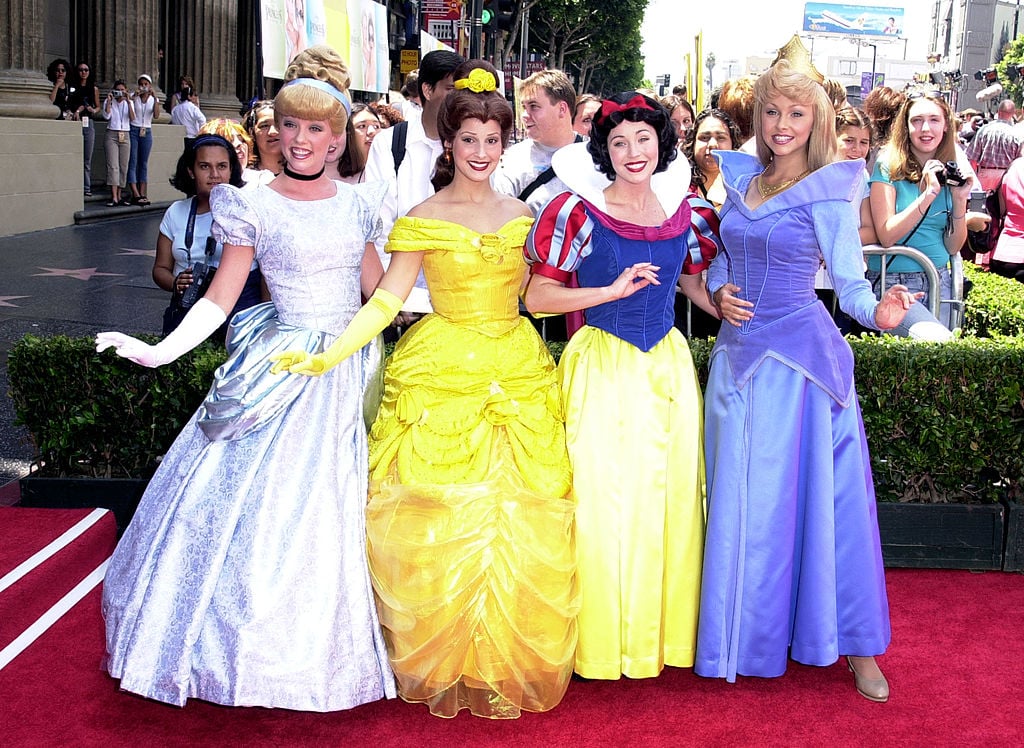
[792, 562]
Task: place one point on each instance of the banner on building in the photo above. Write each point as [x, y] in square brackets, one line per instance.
[853, 20]
[357, 29]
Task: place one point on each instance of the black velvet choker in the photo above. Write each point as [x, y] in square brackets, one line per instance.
[304, 177]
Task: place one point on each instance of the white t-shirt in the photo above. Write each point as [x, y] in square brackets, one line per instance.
[174, 225]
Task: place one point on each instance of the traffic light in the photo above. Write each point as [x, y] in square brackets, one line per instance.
[488, 17]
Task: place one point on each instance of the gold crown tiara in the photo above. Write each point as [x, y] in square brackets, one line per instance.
[799, 59]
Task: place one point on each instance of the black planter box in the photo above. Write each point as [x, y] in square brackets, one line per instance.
[1013, 559]
[120, 495]
[941, 536]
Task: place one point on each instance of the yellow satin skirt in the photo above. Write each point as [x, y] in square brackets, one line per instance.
[469, 525]
[634, 434]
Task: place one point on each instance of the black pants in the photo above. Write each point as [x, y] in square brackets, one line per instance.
[1013, 270]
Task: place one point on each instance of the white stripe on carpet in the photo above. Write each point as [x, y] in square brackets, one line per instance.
[53, 615]
[47, 551]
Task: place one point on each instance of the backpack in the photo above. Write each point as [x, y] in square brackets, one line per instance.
[400, 130]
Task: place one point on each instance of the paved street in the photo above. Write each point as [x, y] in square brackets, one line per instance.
[76, 280]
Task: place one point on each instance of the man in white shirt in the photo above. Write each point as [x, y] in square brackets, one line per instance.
[409, 184]
[549, 102]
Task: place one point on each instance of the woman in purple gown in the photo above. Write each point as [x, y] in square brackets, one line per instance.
[792, 565]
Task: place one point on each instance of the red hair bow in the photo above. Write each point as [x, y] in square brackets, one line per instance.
[610, 107]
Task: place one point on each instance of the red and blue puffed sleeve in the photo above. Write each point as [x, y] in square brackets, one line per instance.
[559, 239]
[703, 242]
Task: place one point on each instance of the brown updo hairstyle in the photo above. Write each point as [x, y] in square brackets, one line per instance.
[463, 104]
[305, 102]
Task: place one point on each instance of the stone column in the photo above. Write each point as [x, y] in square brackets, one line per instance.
[123, 40]
[24, 88]
[206, 48]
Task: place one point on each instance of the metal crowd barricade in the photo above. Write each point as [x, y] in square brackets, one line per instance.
[935, 301]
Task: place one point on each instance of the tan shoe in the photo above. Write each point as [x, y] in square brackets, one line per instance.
[874, 689]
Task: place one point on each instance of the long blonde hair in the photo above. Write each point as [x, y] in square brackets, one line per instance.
[305, 102]
[781, 79]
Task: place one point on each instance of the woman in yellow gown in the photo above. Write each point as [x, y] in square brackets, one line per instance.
[469, 524]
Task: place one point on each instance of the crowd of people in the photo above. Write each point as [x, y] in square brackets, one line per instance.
[471, 524]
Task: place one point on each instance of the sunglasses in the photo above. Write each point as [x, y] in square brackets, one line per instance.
[83, 70]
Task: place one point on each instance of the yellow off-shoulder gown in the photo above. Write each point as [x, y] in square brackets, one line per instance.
[470, 518]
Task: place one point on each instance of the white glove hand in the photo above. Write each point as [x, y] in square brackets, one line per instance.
[201, 320]
[130, 348]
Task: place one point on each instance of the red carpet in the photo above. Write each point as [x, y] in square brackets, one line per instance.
[954, 666]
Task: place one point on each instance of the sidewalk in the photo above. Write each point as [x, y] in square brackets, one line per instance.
[76, 280]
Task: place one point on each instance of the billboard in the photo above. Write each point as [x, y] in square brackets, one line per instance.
[853, 20]
[357, 29]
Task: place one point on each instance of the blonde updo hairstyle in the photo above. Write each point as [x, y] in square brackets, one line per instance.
[783, 80]
[305, 102]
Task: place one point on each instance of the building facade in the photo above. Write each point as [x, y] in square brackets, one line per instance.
[216, 42]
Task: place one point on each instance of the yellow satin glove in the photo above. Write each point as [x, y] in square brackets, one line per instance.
[369, 322]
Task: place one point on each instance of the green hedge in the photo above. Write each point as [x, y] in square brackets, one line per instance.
[945, 422]
[995, 305]
[99, 415]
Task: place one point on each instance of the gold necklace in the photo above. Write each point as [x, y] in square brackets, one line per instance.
[767, 190]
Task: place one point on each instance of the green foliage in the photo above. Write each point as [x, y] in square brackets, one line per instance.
[944, 421]
[995, 305]
[94, 414]
[595, 40]
[1013, 56]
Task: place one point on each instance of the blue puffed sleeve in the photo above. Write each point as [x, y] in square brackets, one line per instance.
[836, 227]
[560, 238]
[235, 220]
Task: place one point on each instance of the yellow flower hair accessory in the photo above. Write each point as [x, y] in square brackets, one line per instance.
[478, 81]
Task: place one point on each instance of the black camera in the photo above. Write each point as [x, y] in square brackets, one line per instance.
[950, 174]
[202, 274]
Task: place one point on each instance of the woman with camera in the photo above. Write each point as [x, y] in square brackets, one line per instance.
[185, 241]
[147, 109]
[919, 199]
[120, 113]
[186, 111]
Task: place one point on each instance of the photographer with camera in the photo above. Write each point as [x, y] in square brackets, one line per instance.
[147, 109]
[919, 199]
[186, 253]
[186, 111]
[120, 113]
